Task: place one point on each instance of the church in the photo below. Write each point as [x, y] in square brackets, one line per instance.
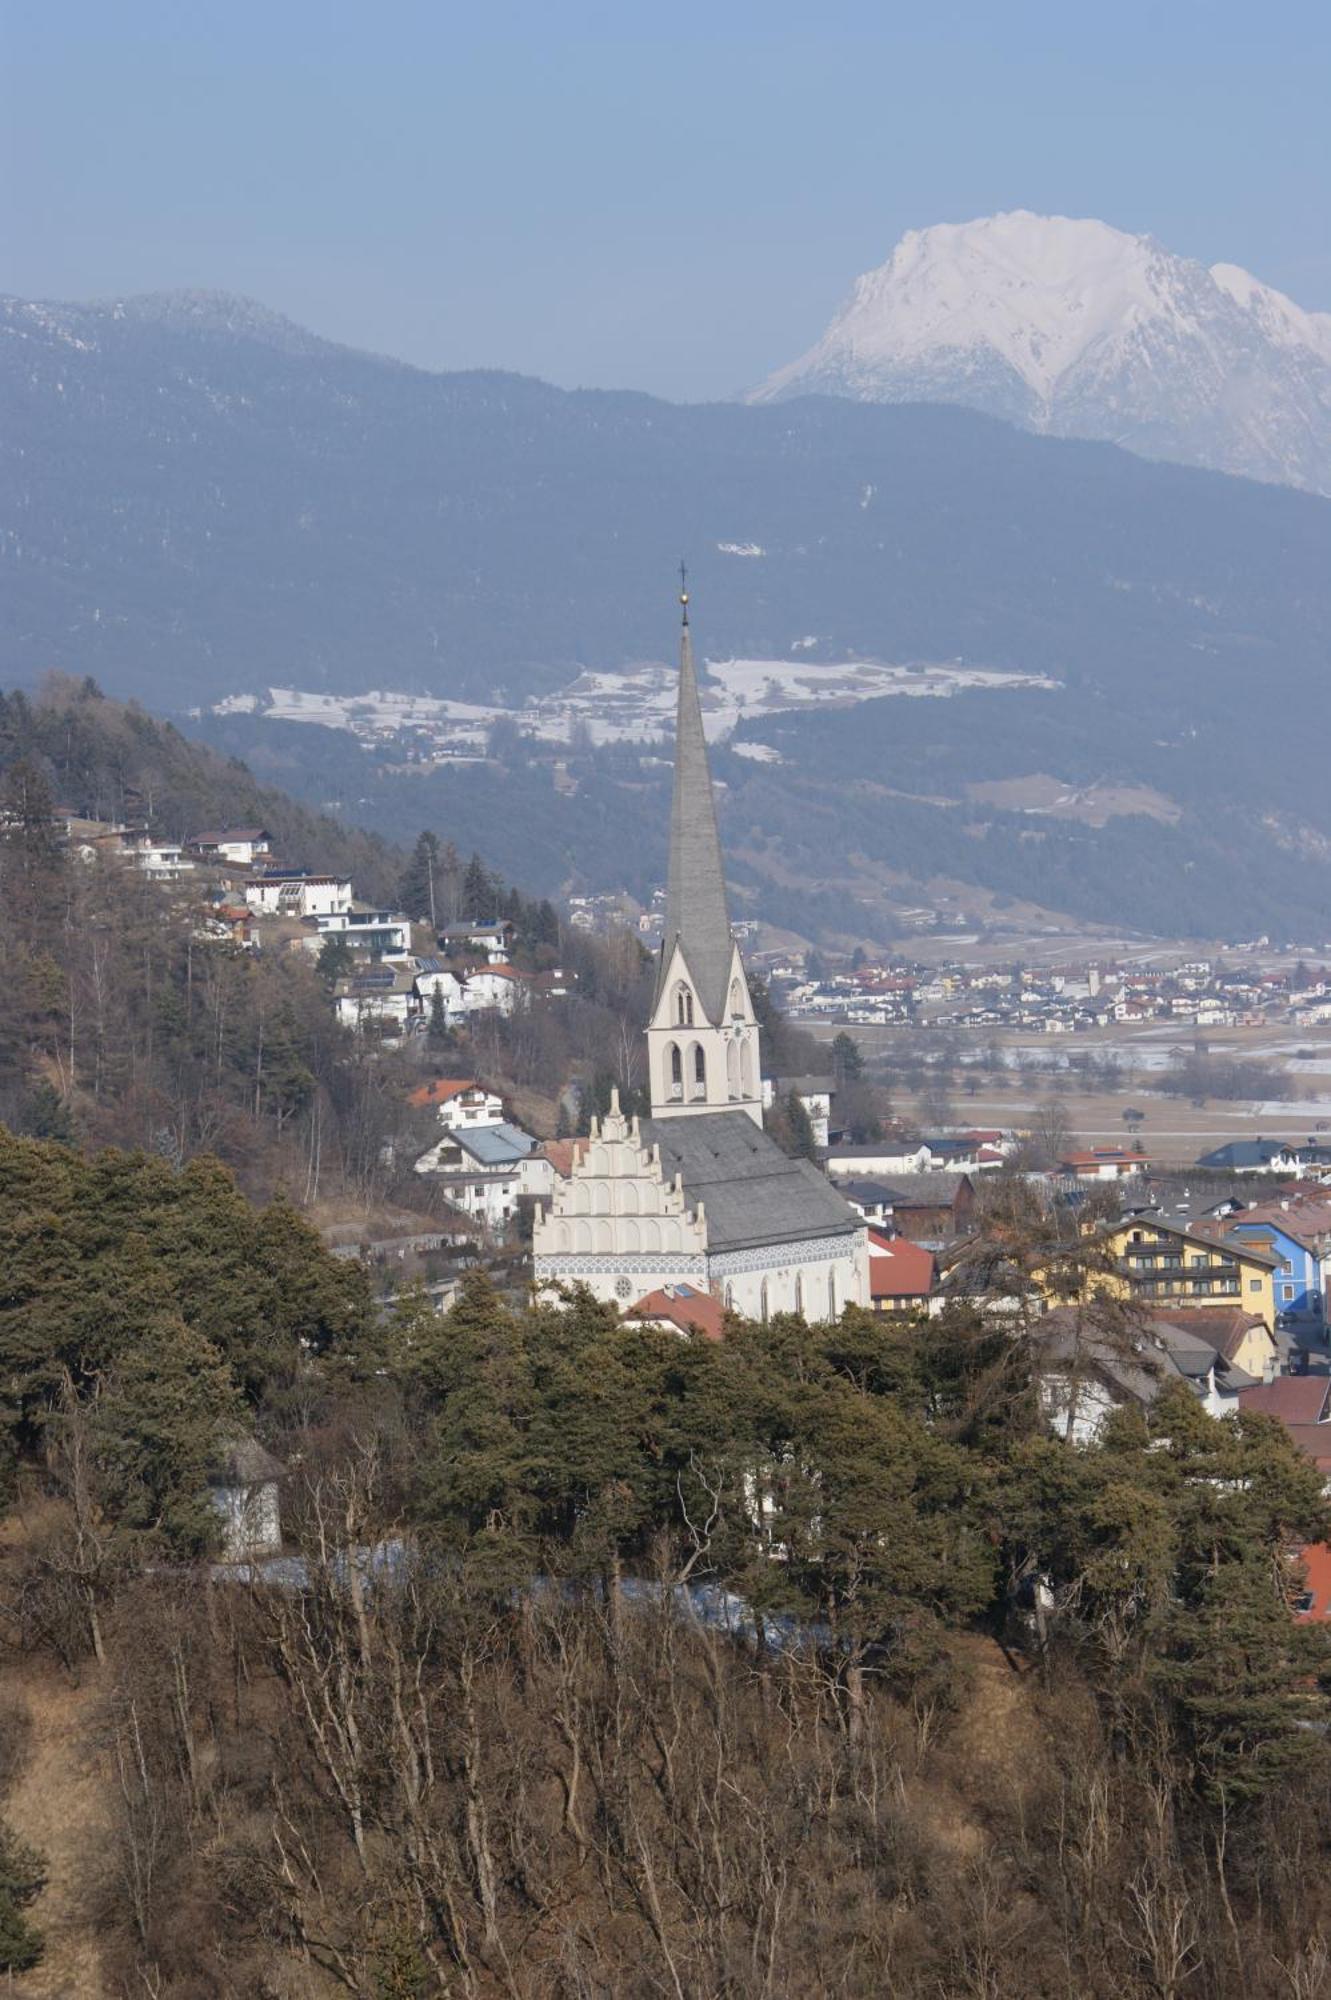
[698, 1194]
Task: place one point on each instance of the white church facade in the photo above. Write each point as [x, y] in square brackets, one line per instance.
[698, 1194]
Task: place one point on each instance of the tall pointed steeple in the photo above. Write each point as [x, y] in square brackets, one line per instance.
[697, 917]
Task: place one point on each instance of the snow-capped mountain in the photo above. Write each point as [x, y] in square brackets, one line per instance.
[1085, 331]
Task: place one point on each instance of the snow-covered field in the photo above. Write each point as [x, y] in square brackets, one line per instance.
[634, 706]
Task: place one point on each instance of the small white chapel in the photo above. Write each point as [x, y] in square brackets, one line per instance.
[698, 1194]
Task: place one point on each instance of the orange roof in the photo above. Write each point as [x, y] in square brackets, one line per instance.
[564, 1154]
[1316, 1560]
[898, 1268]
[690, 1311]
[442, 1089]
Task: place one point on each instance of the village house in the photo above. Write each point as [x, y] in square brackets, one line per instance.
[485, 1170]
[1161, 1263]
[164, 860]
[1088, 1366]
[385, 995]
[459, 1102]
[294, 892]
[434, 977]
[1104, 1163]
[496, 986]
[240, 845]
[902, 1275]
[1298, 1236]
[1242, 1339]
[929, 1208]
[383, 933]
[493, 941]
[681, 1309]
[883, 1156]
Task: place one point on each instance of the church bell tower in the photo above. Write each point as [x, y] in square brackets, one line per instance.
[702, 1039]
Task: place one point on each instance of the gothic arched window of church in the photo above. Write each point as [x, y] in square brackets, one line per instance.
[676, 1066]
[799, 1292]
[699, 1071]
[736, 997]
[683, 1006]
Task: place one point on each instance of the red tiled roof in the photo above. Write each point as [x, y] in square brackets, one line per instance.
[564, 1154]
[442, 1089]
[1298, 1400]
[898, 1268]
[1316, 1560]
[681, 1306]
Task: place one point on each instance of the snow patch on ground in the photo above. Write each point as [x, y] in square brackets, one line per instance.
[633, 706]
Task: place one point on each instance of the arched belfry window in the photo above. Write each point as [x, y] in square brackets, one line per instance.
[736, 997]
[675, 1070]
[699, 1071]
[683, 1006]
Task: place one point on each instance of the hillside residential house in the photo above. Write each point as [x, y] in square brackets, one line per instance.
[459, 1102]
[494, 941]
[385, 994]
[902, 1274]
[433, 976]
[493, 986]
[385, 933]
[699, 1194]
[240, 845]
[164, 860]
[485, 1170]
[294, 892]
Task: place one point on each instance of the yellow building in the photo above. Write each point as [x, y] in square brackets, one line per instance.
[1162, 1264]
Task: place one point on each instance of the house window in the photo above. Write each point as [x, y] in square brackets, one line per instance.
[1254, 1284]
[1287, 1291]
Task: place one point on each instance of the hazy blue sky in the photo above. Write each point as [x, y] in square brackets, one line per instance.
[673, 198]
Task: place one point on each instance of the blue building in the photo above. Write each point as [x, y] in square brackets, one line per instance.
[1297, 1280]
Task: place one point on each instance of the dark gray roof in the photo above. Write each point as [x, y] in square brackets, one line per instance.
[753, 1193]
[926, 1190]
[696, 913]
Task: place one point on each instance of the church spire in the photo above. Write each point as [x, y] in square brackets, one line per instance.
[696, 914]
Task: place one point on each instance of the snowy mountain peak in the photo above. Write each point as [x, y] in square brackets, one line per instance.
[1075, 327]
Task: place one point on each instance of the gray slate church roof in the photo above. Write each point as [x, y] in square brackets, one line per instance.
[753, 1193]
[696, 911]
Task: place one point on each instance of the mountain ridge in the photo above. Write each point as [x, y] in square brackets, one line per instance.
[1074, 328]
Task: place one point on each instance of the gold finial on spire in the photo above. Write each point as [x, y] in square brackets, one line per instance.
[684, 593]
